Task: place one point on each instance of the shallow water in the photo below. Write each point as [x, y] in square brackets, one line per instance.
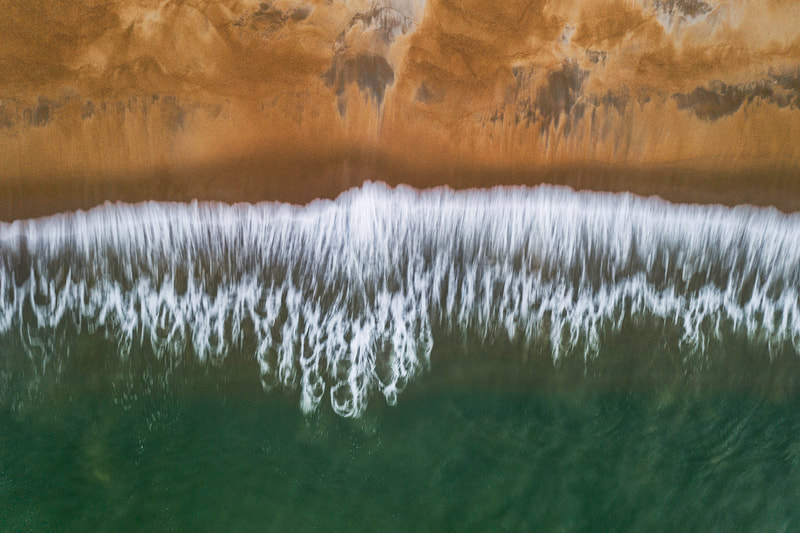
[345, 300]
[444, 459]
[513, 359]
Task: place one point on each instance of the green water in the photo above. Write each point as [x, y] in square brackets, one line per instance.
[453, 455]
[597, 363]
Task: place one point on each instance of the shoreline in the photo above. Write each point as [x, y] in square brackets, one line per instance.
[300, 180]
[256, 101]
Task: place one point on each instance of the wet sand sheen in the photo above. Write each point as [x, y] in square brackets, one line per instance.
[300, 180]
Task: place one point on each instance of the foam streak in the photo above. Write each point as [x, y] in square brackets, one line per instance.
[342, 298]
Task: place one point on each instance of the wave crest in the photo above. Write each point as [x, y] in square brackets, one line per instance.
[345, 297]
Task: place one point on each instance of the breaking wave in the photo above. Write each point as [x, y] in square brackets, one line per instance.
[344, 299]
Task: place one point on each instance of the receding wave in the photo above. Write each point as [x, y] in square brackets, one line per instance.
[345, 299]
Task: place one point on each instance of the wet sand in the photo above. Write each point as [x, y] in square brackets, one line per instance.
[272, 178]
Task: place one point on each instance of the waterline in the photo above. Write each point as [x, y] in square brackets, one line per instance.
[345, 299]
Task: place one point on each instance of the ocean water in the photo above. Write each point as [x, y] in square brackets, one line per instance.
[512, 359]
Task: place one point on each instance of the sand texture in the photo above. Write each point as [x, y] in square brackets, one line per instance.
[242, 101]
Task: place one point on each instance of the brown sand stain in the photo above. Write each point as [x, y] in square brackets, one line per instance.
[110, 96]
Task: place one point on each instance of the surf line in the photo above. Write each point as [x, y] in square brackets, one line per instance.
[342, 298]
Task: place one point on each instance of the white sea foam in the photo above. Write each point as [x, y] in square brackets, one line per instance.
[341, 298]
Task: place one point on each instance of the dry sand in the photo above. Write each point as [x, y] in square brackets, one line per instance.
[696, 101]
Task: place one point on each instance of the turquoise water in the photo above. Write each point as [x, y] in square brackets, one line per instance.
[513, 359]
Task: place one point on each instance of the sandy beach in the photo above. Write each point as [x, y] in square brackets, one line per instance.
[289, 101]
